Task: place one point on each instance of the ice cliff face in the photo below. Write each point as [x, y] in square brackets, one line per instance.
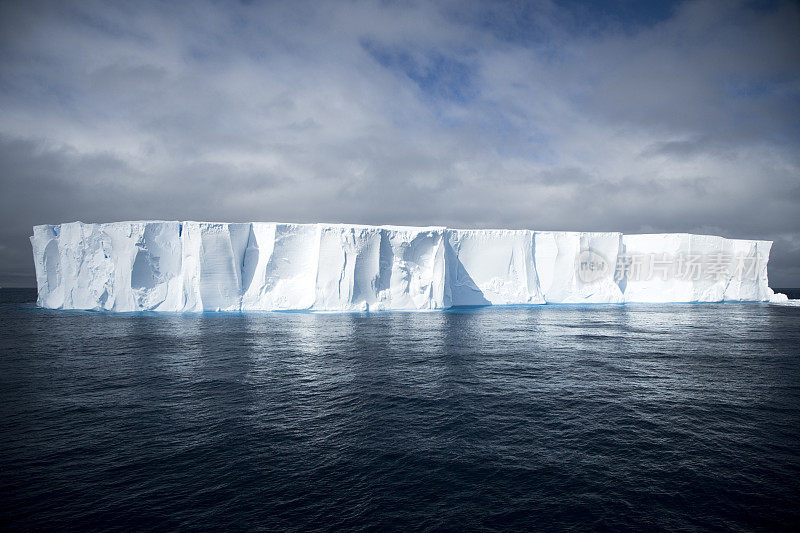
[202, 266]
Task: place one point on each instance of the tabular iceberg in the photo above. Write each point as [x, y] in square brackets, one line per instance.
[261, 266]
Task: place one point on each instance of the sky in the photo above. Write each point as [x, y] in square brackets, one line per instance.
[549, 115]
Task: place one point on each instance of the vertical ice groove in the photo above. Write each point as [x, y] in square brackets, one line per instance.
[315, 264]
[195, 266]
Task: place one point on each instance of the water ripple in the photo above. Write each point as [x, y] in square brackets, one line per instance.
[563, 417]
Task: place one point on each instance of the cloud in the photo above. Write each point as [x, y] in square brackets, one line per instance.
[535, 115]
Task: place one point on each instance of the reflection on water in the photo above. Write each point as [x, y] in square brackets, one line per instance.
[676, 416]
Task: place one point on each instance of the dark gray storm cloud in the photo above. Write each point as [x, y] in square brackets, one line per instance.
[535, 115]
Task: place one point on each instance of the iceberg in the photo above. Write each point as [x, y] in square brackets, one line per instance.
[190, 266]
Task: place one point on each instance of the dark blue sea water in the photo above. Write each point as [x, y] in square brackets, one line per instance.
[548, 417]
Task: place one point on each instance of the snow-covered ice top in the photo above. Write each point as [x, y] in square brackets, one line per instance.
[205, 266]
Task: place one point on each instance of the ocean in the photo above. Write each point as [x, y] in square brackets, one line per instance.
[605, 417]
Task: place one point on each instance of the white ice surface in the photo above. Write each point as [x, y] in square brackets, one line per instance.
[701, 252]
[203, 266]
[782, 299]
